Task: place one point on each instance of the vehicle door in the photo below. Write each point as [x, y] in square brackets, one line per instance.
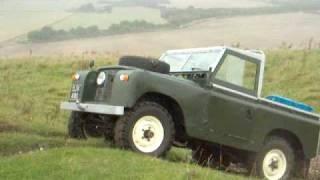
[233, 98]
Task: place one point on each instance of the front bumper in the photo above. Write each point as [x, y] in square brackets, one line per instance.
[93, 108]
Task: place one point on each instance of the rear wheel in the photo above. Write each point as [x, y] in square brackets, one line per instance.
[302, 168]
[147, 128]
[276, 159]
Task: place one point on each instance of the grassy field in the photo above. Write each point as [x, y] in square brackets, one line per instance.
[14, 24]
[33, 141]
[294, 73]
[100, 163]
[19, 17]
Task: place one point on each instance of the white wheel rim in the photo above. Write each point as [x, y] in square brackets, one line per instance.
[274, 164]
[148, 134]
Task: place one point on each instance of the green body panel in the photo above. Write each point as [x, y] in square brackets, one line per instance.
[305, 127]
[210, 114]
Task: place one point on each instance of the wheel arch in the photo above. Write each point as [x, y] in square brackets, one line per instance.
[291, 137]
[174, 109]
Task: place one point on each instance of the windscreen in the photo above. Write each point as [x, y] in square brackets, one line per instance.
[195, 61]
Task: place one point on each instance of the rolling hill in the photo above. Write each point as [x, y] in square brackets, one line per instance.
[263, 31]
[33, 142]
[19, 17]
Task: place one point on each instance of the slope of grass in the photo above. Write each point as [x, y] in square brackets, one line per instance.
[97, 163]
[31, 90]
[295, 74]
[21, 142]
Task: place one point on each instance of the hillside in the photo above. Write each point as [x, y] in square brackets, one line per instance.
[24, 25]
[59, 14]
[100, 163]
[33, 142]
[262, 31]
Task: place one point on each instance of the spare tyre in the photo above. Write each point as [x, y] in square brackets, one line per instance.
[150, 64]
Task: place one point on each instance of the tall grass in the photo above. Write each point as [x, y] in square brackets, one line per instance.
[295, 74]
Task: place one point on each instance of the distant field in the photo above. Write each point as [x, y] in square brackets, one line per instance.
[13, 24]
[19, 17]
[104, 20]
[264, 31]
[218, 3]
[41, 5]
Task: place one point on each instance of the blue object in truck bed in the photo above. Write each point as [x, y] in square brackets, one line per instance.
[291, 102]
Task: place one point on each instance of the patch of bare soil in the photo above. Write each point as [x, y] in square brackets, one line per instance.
[6, 127]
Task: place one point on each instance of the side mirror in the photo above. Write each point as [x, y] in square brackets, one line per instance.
[91, 64]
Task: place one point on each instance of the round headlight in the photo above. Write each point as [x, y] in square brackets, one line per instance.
[101, 78]
[76, 77]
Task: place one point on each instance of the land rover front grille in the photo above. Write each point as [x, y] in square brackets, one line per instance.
[75, 91]
[103, 92]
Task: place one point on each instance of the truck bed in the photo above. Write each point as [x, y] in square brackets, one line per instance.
[289, 109]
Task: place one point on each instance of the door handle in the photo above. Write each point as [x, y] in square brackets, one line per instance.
[249, 114]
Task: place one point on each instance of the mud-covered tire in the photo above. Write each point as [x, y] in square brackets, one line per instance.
[109, 130]
[278, 157]
[82, 126]
[149, 64]
[75, 126]
[157, 121]
[302, 168]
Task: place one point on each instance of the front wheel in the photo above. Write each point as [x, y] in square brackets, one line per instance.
[147, 128]
[276, 159]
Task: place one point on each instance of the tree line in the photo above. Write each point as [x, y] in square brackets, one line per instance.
[177, 17]
[49, 34]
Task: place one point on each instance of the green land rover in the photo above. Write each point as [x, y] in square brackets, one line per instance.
[205, 99]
